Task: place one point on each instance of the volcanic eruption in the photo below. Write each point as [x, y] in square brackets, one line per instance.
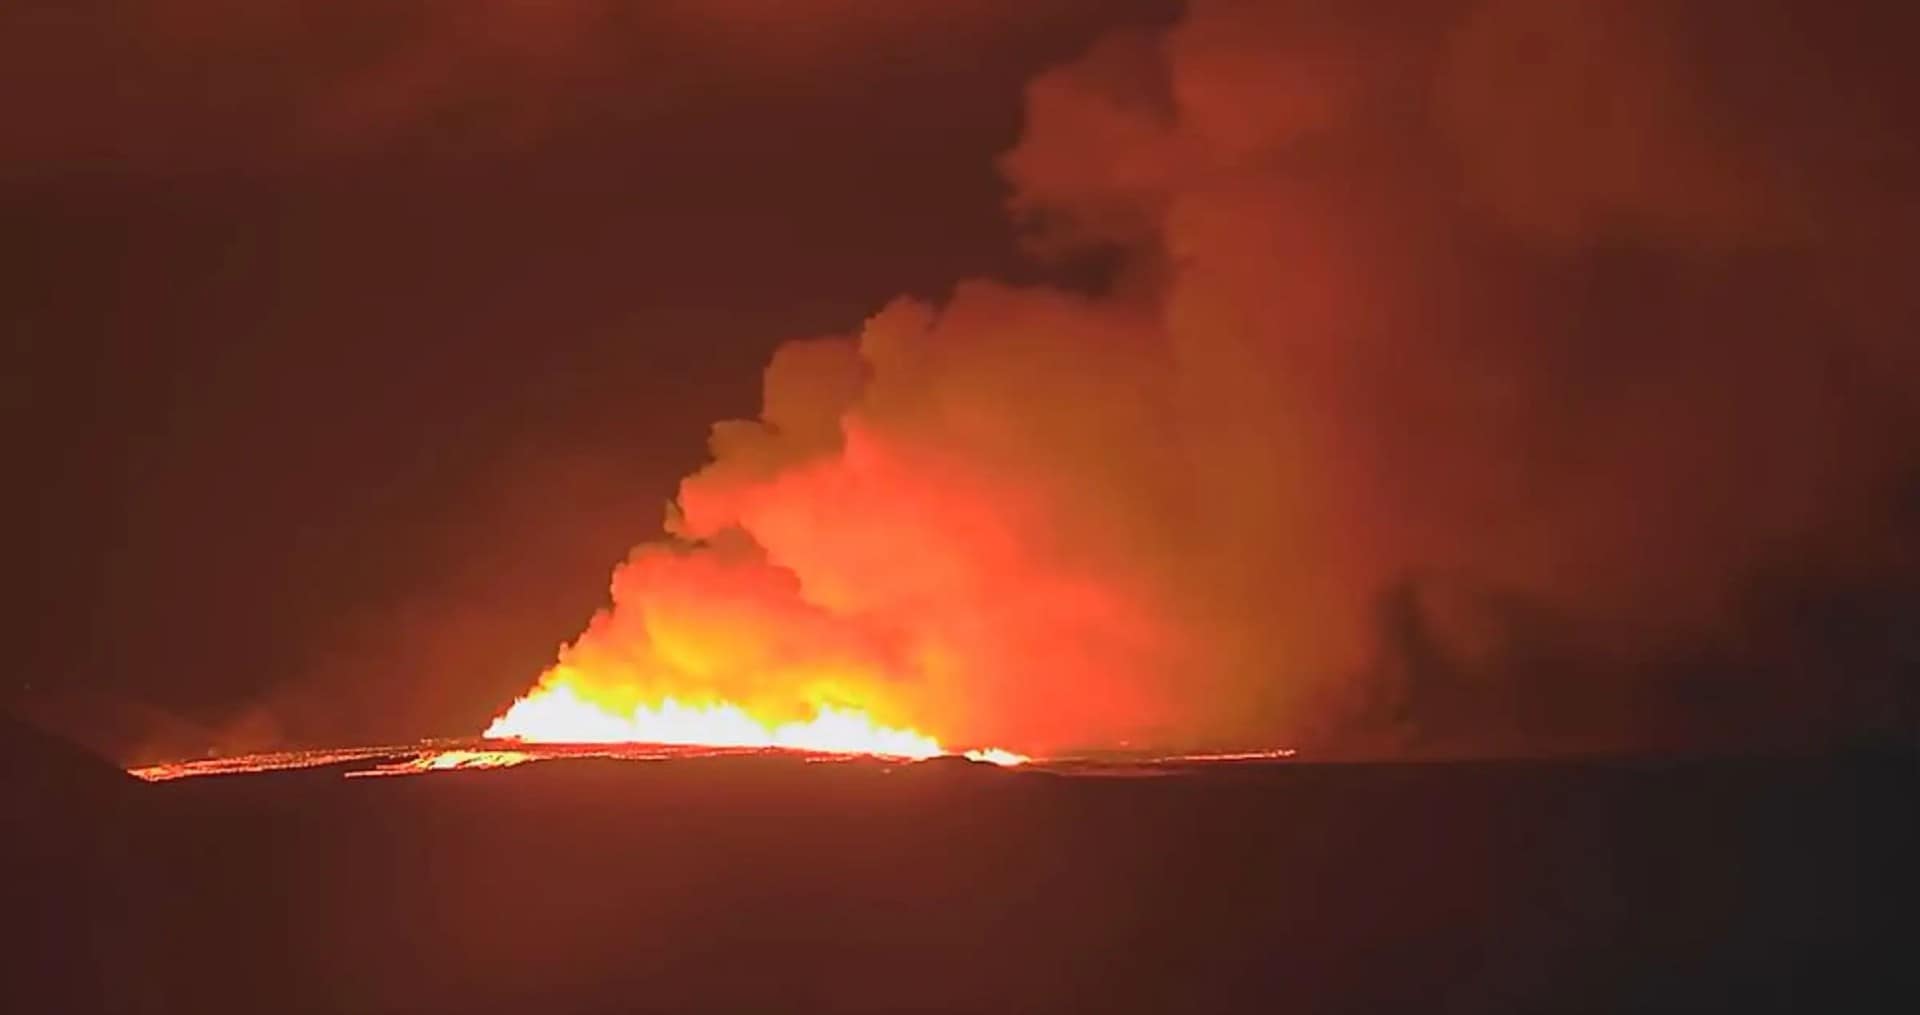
[1500, 376]
[1513, 396]
[1408, 405]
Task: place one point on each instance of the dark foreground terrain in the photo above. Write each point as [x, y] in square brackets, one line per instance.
[768, 884]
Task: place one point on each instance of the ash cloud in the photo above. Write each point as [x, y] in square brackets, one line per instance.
[1476, 377]
[198, 86]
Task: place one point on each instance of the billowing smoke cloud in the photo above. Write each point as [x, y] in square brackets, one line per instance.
[1471, 376]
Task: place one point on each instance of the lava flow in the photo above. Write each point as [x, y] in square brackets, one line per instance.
[556, 713]
[554, 721]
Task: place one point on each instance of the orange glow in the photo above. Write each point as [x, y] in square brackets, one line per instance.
[1270, 754]
[995, 756]
[272, 761]
[556, 712]
[446, 761]
[400, 760]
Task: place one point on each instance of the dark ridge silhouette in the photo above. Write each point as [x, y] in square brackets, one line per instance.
[70, 823]
[764, 883]
[36, 765]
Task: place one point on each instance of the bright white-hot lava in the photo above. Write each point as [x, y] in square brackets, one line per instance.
[555, 713]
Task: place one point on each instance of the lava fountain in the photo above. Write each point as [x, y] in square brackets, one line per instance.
[557, 712]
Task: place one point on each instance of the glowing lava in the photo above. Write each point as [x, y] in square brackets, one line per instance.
[446, 761]
[555, 713]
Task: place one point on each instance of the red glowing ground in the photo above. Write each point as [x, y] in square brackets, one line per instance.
[467, 755]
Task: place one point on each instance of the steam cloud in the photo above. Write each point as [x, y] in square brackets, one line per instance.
[1471, 376]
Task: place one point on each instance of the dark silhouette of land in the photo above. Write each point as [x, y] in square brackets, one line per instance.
[771, 884]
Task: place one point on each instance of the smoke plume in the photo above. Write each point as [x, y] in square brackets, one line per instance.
[1470, 376]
